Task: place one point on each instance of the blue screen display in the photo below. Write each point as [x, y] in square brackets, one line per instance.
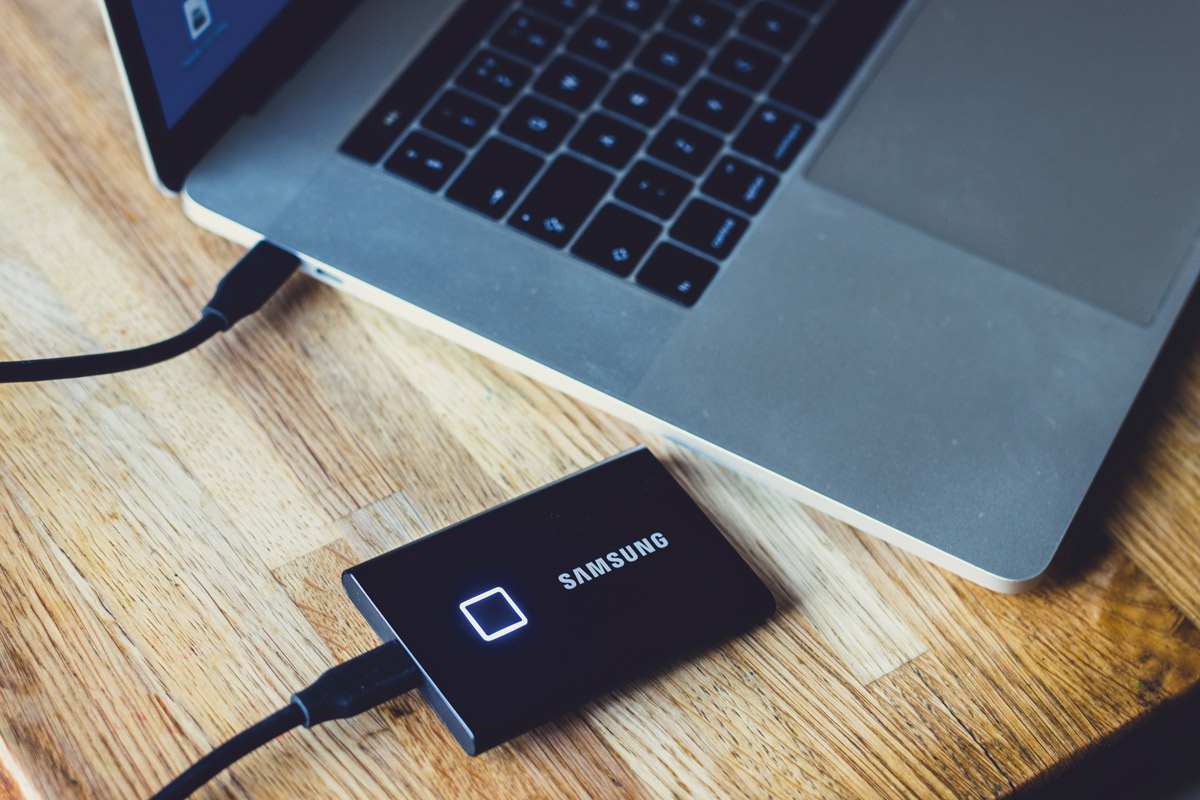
[189, 43]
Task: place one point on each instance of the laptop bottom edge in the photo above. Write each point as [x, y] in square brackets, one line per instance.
[329, 274]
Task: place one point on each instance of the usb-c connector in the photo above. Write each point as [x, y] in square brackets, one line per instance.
[346, 690]
[243, 290]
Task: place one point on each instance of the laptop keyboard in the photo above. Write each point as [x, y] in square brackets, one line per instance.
[640, 135]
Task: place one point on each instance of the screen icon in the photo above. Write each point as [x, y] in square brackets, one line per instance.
[198, 17]
[493, 614]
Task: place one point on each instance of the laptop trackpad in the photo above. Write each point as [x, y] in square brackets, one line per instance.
[1054, 137]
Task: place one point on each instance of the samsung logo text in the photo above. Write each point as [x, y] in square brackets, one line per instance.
[599, 567]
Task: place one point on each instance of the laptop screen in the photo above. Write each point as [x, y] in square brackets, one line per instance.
[189, 43]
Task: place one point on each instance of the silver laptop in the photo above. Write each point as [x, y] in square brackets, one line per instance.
[909, 262]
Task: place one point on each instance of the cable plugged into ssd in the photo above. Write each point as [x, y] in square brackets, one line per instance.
[507, 619]
[517, 615]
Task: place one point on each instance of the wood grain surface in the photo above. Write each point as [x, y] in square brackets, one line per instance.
[173, 538]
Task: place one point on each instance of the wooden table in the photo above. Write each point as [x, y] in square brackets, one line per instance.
[173, 538]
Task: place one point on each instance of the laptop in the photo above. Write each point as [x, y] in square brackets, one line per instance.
[909, 262]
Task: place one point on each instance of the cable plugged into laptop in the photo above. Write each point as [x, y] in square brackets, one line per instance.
[344, 691]
[244, 289]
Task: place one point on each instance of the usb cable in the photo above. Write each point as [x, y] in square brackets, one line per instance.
[243, 290]
[346, 690]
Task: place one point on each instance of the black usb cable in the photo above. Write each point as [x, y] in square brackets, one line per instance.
[243, 290]
[346, 690]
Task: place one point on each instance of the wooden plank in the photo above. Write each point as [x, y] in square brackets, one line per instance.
[808, 572]
[1149, 501]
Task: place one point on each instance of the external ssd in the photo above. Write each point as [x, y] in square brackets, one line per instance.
[528, 610]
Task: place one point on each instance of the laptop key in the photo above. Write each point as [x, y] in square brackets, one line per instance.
[684, 146]
[709, 229]
[561, 200]
[638, 13]
[773, 136]
[705, 22]
[420, 83]
[565, 11]
[494, 178]
[744, 64]
[675, 273]
[527, 37]
[810, 6]
[814, 79]
[538, 124]
[607, 140]
[424, 160]
[740, 184]
[375, 133]
[639, 98]
[670, 58]
[459, 118]
[494, 76]
[571, 82]
[603, 42]
[653, 189]
[774, 26]
[715, 104]
[617, 239]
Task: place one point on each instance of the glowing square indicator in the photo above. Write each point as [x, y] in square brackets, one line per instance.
[493, 614]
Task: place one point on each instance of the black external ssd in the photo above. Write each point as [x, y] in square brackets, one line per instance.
[528, 610]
